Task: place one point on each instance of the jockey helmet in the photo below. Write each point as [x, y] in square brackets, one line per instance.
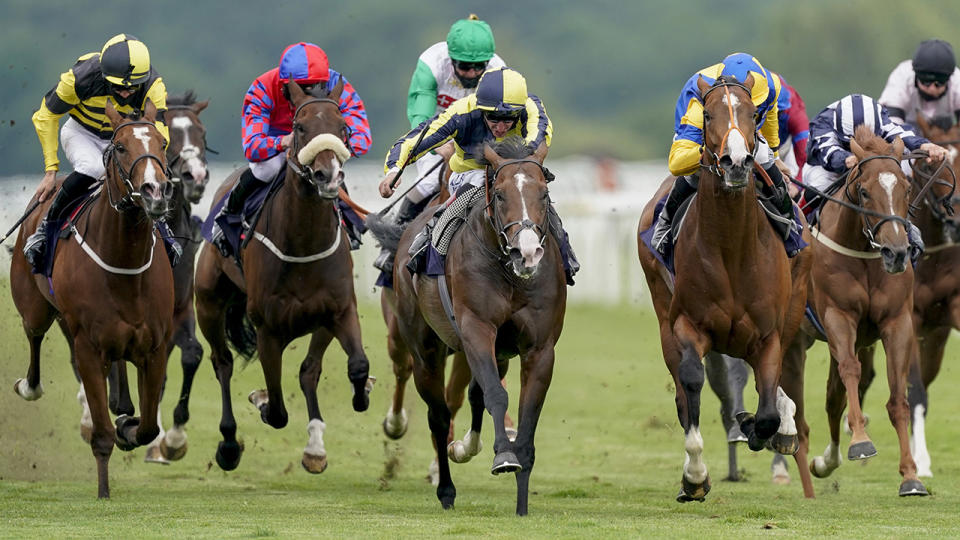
[304, 63]
[502, 91]
[740, 65]
[934, 56]
[470, 40]
[125, 61]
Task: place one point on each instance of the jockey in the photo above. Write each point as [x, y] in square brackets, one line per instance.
[794, 130]
[685, 152]
[447, 71]
[500, 108]
[829, 157]
[119, 73]
[267, 123]
[928, 84]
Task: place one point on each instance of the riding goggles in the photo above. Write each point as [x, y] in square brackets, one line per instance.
[467, 66]
[936, 79]
[495, 117]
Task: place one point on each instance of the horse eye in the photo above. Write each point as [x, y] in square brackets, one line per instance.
[120, 149]
[300, 128]
[864, 194]
[498, 195]
[706, 117]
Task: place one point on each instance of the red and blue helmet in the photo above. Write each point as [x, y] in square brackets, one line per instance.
[304, 63]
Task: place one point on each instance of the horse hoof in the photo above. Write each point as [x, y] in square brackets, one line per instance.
[693, 492]
[786, 445]
[447, 495]
[155, 455]
[172, 454]
[912, 488]
[511, 434]
[395, 425]
[361, 399]
[228, 454]
[314, 464]
[734, 435]
[505, 462]
[258, 398]
[861, 450]
[22, 388]
[123, 424]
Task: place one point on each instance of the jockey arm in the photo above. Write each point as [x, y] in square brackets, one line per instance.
[355, 115]
[158, 95]
[46, 120]
[258, 145]
[422, 96]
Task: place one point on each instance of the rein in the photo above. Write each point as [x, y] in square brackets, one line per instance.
[704, 150]
[304, 171]
[110, 161]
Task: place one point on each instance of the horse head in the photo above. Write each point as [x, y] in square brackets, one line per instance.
[879, 187]
[187, 151]
[320, 137]
[941, 197]
[137, 173]
[729, 129]
[518, 202]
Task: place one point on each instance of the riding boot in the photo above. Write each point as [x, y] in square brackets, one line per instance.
[246, 185]
[407, 212]
[418, 247]
[780, 194]
[35, 248]
[570, 263]
[682, 189]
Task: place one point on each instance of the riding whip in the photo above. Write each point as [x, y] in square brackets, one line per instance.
[21, 220]
[413, 151]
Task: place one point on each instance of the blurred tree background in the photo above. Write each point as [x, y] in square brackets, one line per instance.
[608, 71]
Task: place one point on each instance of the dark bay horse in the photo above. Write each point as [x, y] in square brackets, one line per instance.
[297, 279]
[735, 291]
[111, 286]
[508, 296]
[862, 291]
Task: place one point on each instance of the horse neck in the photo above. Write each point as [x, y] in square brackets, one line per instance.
[122, 239]
[306, 212]
[730, 218]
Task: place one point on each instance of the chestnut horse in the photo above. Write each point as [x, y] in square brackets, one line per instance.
[111, 286]
[862, 291]
[507, 295]
[735, 291]
[297, 279]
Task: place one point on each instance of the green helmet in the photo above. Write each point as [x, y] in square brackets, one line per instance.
[470, 40]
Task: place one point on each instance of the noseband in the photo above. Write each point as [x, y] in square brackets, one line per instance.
[305, 172]
[704, 150]
[128, 201]
[493, 214]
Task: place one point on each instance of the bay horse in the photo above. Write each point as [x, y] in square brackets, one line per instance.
[735, 291]
[936, 283]
[111, 286]
[862, 291]
[507, 295]
[297, 279]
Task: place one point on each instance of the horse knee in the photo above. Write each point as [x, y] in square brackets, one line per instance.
[691, 375]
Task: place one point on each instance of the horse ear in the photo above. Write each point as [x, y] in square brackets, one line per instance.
[115, 118]
[702, 86]
[749, 82]
[150, 110]
[540, 154]
[337, 90]
[199, 106]
[296, 93]
[491, 156]
[857, 150]
[898, 147]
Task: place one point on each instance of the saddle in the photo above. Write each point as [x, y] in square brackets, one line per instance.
[429, 255]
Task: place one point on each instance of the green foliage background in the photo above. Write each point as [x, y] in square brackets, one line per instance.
[608, 71]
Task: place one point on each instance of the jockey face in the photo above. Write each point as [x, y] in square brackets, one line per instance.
[468, 72]
[499, 124]
[932, 85]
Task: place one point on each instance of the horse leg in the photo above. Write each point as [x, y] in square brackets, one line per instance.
[31, 388]
[836, 397]
[140, 431]
[922, 372]
[463, 450]
[119, 384]
[314, 455]
[900, 344]
[428, 372]
[347, 332]
[841, 335]
[761, 428]
[93, 370]
[535, 375]
[867, 373]
[792, 382]
[270, 348]
[174, 443]
[460, 378]
[478, 338]
[727, 377]
[395, 421]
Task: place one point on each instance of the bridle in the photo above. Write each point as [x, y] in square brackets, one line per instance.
[870, 230]
[705, 151]
[493, 213]
[942, 208]
[186, 153]
[110, 161]
[305, 172]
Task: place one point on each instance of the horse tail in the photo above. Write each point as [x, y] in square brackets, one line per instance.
[386, 231]
[240, 330]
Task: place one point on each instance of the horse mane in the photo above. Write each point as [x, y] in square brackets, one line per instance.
[870, 141]
[186, 98]
[513, 147]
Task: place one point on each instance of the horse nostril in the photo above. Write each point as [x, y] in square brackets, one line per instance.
[187, 176]
[748, 162]
[726, 161]
[168, 189]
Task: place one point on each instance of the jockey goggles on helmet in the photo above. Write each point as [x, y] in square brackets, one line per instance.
[497, 116]
[467, 66]
[936, 79]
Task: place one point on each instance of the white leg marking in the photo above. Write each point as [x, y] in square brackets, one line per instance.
[396, 422]
[918, 443]
[176, 437]
[315, 446]
[829, 461]
[888, 181]
[86, 420]
[433, 472]
[694, 468]
[787, 409]
[27, 393]
[463, 450]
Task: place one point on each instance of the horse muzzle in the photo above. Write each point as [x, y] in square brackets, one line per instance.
[526, 256]
[328, 183]
[157, 199]
[895, 259]
[736, 176]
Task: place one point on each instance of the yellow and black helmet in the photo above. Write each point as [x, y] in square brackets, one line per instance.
[125, 61]
[503, 91]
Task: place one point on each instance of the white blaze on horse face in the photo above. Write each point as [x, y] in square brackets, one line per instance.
[189, 152]
[889, 181]
[736, 144]
[150, 172]
[527, 240]
[694, 469]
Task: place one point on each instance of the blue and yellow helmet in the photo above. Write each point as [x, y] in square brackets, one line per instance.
[125, 61]
[503, 91]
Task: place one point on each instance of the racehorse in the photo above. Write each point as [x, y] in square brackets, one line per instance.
[111, 286]
[735, 291]
[507, 296]
[936, 283]
[862, 291]
[297, 279]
